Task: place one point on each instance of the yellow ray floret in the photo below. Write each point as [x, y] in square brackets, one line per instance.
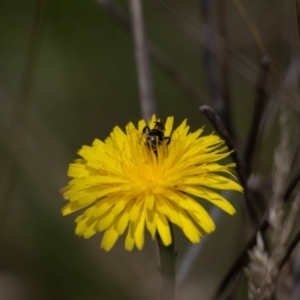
[127, 187]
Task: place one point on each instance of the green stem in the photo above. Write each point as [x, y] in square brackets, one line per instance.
[167, 268]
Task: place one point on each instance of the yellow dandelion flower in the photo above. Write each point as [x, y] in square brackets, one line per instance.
[128, 184]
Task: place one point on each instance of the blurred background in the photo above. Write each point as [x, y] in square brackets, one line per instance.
[70, 77]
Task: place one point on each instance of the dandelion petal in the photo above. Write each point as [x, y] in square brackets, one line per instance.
[151, 222]
[129, 241]
[189, 228]
[109, 238]
[139, 232]
[163, 229]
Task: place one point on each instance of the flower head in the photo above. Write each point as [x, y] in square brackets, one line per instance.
[127, 183]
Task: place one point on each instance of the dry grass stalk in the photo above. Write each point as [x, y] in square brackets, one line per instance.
[263, 269]
[259, 271]
[282, 166]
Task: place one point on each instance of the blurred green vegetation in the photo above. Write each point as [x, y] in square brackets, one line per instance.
[84, 84]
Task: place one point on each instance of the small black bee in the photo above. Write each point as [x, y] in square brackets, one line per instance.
[156, 136]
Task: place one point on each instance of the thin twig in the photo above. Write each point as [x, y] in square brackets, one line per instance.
[232, 294]
[225, 57]
[18, 127]
[274, 102]
[291, 186]
[242, 258]
[159, 58]
[298, 16]
[290, 249]
[296, 151]
[148, 105]
[252, 29]
[259, 106]
[209, 60]
[274, 67]
[238, 62]
[220, 128]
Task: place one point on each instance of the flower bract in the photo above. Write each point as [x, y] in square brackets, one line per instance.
[124, 186]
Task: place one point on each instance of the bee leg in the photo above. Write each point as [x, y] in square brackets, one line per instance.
[167, 139]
